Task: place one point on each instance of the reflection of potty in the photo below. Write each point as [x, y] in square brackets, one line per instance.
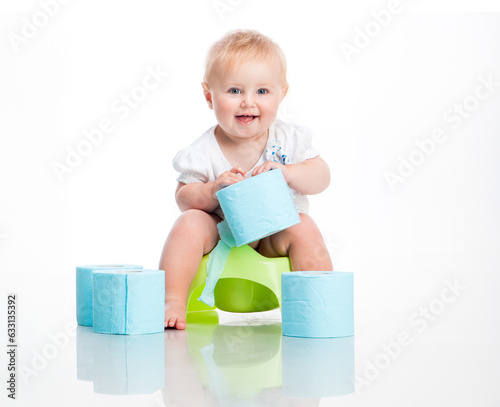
[237, 361]
[249, 282]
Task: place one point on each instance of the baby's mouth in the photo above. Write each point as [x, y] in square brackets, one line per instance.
[245, 119]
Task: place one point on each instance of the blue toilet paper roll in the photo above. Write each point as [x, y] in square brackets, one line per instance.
[84, 309]
[128, 364]
[258, 207]
[129, 301]
[317, 304]
[316, 368]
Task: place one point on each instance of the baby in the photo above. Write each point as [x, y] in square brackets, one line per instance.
[244, 83]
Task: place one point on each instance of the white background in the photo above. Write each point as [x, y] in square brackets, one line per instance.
[117, 206]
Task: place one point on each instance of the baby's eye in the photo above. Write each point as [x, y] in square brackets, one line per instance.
[235, 91]
[262, 91]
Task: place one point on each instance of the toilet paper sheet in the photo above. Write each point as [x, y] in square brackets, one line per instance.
[129, 301]
[84, 307]
[216, 262]
[317, 304]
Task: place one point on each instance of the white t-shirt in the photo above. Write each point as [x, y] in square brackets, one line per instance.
[203, 160]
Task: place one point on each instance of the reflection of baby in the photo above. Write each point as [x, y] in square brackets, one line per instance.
[244, 83]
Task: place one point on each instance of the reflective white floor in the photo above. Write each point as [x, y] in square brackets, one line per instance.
[243, 361]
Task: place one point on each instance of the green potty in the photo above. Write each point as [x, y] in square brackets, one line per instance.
[249, 282]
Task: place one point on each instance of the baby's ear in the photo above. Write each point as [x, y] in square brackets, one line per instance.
[284, 91]
[207, 94]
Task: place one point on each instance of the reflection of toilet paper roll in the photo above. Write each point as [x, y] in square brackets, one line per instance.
[315, 368]
[317, 304]
[129, 301]
[84, 290]
[132, 364]
[84, 353]
[258, 206]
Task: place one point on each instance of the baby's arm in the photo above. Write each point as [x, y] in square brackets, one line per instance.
[196, 196]
[309, 177]
[199, 195]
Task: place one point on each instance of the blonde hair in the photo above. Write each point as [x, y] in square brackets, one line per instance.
[240, 46]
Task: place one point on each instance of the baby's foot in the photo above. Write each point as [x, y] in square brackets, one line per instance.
[175, 315]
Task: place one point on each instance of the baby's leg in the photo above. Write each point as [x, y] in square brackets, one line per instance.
[193, 235]
[303, 243]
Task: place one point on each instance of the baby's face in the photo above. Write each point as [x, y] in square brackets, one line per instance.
[246, 99]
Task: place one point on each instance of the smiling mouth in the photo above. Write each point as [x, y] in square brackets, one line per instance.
[245, 119]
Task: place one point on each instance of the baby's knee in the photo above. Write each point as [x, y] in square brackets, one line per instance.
[305, 233]
[304, 229]
[194, 215]
[198, 226]
[195, 220]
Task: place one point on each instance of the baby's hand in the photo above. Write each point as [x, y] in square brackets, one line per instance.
[236, 174]
[271, 165]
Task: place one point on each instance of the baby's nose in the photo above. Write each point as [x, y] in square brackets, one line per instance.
[248, 101]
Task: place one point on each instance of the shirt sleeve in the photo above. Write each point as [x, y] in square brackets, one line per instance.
[192, 166]
[303, 148]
